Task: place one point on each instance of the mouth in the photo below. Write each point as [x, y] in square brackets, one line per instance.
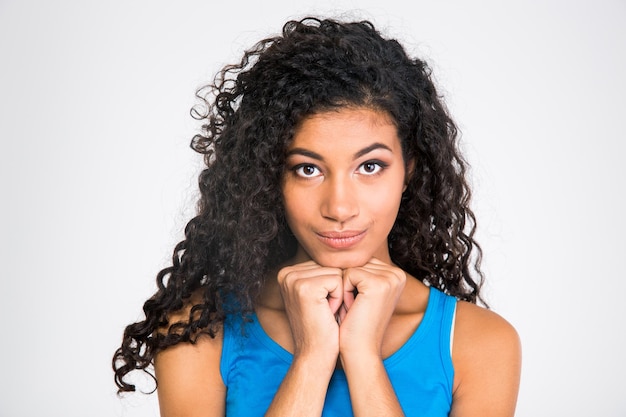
[341, 240]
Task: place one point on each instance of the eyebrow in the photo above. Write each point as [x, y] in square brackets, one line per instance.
[315, 155]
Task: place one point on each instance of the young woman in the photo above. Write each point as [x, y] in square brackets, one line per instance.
[331, 268]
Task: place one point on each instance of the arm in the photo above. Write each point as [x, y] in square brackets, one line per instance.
[371, 392]
[487, 361]
[361, 336]
[312, 295]
[188, 375]
[303, 390]
[190, 384]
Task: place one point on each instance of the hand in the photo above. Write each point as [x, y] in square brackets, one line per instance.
[364, 317]
[328, 320]
[318, 298]
[312, 295]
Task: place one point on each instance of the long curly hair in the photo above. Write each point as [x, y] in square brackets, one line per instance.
[249, 113]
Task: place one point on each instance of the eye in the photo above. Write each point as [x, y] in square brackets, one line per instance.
[371, 167]
[307, 171]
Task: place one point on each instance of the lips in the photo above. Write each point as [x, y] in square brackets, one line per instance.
[341, 240]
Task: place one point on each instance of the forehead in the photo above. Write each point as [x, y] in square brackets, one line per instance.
[350, 125]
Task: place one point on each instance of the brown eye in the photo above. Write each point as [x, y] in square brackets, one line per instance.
[370, 168]
[307, 171]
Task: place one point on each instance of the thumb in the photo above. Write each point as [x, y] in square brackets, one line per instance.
[335, 299]
[348, 293]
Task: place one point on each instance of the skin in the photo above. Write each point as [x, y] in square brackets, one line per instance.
[342, 188]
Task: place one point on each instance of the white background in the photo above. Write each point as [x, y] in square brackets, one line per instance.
[98, 179]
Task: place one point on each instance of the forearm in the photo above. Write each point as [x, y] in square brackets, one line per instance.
[371, 391]
[303, 389]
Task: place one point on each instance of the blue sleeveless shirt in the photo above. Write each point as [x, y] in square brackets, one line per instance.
[421, 373]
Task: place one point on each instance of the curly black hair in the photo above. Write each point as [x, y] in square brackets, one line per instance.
[249, 114]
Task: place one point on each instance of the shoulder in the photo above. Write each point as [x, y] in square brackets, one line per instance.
[188, 375]
[480, 328]
[487, 362]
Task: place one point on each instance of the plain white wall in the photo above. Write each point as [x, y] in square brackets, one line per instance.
[98, 180]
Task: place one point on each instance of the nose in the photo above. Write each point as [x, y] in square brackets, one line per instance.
[340, 202]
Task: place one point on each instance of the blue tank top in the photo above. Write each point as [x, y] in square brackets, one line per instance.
[421, 371]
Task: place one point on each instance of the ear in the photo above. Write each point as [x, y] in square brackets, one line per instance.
[410, 168]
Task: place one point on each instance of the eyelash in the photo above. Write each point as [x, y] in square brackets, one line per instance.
[296, 169]
[379, 164]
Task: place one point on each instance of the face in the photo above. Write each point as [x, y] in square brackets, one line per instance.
[342, 186]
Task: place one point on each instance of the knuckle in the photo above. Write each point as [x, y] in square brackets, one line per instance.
[283, 273]
[298, 285]
[288, 280]
[291, 280]
[302, 287]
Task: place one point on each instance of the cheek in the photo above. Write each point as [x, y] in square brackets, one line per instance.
[293, 205]
[385, 201]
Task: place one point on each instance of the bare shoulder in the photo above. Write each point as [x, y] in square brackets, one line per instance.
[479, 328]
[188, 375]
[487, 362]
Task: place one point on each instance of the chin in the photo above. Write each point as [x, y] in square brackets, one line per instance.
[342, 260]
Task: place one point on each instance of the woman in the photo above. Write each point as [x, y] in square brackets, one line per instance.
[331, 268]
